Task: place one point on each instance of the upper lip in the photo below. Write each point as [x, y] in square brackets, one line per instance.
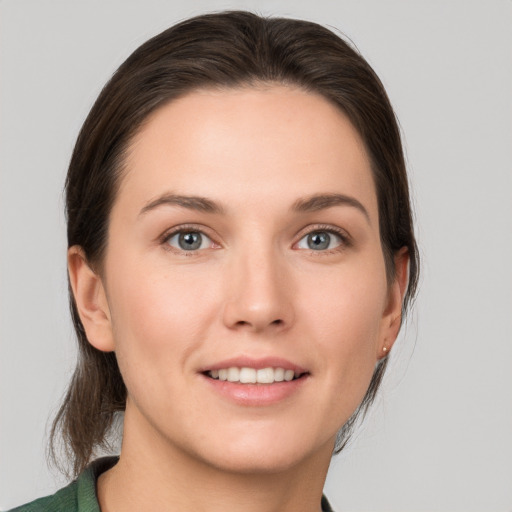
[256, 363]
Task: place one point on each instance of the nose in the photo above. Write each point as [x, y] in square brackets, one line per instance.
[259, 292]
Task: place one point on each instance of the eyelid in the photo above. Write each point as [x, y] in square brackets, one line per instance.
[345, 237]
[186, 228]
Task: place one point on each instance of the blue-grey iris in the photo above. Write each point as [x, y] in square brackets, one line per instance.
[190, 241]
[319, 241]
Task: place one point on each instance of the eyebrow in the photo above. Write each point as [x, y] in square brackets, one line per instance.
[323, 201]
[303, 205]
[197, 203]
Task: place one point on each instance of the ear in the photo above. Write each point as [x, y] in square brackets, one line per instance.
[392, 316]
[91, 301]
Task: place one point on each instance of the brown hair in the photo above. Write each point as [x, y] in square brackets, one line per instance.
[228, 49]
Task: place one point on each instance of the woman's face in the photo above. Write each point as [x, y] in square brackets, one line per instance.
[245, 237]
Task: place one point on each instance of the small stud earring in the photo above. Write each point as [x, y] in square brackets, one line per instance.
[384, 349]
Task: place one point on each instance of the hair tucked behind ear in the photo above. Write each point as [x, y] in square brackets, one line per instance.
[228, 49]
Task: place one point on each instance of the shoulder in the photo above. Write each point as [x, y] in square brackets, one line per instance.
[64, 500]
[78, 496]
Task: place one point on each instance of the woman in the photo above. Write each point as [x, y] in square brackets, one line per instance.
[241, 253]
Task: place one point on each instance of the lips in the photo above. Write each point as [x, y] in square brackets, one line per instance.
[251, 381]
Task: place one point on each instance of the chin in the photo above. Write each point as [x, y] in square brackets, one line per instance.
[265, 454]
[257, 462]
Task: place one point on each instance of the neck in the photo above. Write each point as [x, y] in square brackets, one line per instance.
[153, 474]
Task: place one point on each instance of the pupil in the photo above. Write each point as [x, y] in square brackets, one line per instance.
[190, 241]
[318, 241]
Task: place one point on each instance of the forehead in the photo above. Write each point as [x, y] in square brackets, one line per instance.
[241, 144]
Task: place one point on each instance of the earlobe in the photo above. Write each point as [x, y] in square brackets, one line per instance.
[91, 301]
[392, 318]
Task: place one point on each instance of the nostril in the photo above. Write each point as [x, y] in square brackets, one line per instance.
[245, 323]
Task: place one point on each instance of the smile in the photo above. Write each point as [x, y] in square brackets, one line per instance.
[246, 375]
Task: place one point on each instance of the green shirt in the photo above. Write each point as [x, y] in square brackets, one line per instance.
[80, 495]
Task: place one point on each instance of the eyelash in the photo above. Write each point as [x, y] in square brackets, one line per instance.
[345, 238]
[186, 228]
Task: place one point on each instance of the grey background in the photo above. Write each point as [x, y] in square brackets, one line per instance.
[440, 436]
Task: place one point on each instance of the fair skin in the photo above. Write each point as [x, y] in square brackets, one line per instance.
[245, 234]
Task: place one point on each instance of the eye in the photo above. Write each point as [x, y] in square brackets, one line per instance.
[320, 241]
[189, 241]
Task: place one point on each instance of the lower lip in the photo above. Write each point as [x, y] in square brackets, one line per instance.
[256, 394]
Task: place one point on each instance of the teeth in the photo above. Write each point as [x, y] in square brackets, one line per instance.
[265, 376]
[248, 375]
[279, 374]
[233, 374]
[288, 375]
[251, 376]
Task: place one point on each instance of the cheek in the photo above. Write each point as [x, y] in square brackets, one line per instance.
[346, 305]
[345, 314]
[158, 316]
